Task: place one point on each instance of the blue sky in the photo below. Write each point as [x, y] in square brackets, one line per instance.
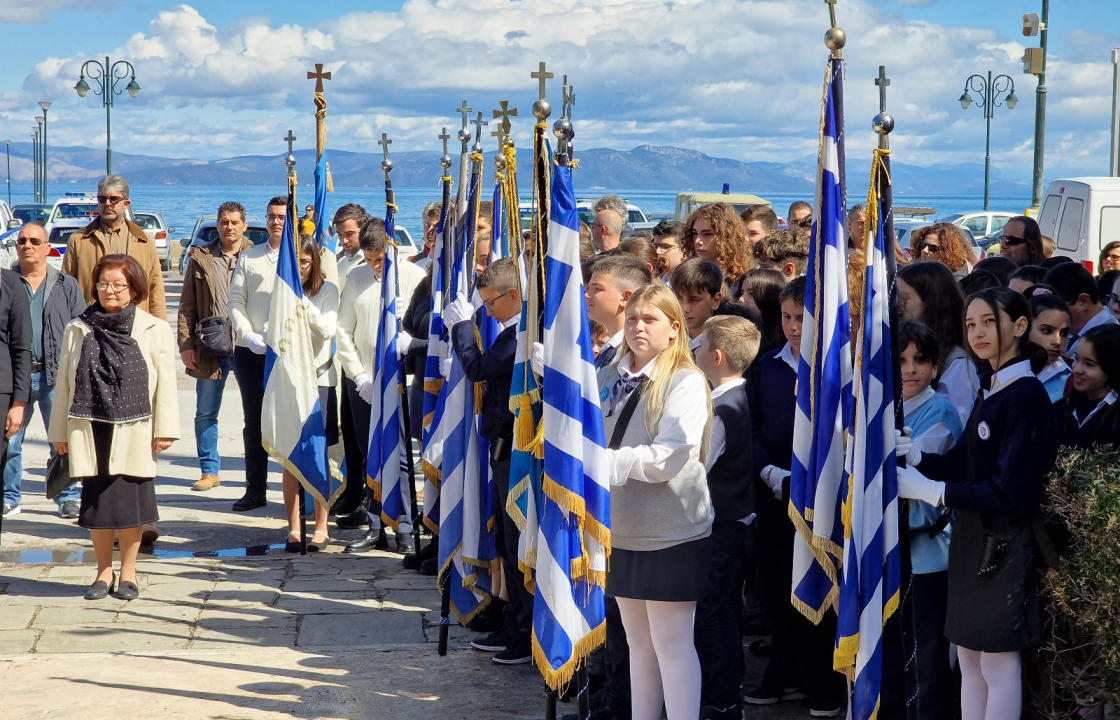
[734, 78]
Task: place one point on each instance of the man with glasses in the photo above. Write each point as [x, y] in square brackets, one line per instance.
[112, 232]
[55, 299]
[667, 244]
[1021, 241]
[204, 308]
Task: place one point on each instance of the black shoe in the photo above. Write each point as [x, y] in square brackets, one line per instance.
[732, 712]
[100, 590]
[68, 509]
[127, 591]
[495, 641]
[412, 562]
[344, 506]
[355, 519]
[405, 544]
[249, 502]
[370, 541]
[825, 710]
[293, 546]
[518, 652]
[429, 567]
[489, 620]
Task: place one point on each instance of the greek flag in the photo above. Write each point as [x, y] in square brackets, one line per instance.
[869, 584]
[322, 235]
[574, 514]
[383, 461]
[292, 424]
[824, 376]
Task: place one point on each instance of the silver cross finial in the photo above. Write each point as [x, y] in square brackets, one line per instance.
[883, 82]
[290, 139]
[542, 76]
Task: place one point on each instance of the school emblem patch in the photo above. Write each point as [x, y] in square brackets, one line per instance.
[983, 430]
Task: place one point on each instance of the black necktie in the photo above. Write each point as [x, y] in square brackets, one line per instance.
[606, 354]
[622, 387]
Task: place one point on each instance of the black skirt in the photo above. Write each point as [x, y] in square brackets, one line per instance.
[114, 502]
[678, 573]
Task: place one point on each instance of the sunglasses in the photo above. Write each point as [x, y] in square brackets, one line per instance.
[1011, 240]
[110, 200]
[930, 248]
[34, 241]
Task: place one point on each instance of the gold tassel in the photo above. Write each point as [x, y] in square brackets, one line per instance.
[330, 180]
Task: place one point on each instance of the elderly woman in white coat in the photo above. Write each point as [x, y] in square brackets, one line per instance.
[108, 426]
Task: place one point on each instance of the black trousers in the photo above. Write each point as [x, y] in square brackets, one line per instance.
[359, 416]
[355, 447]
[519, 606]
[929, 683]
[719, 624]
[249, 368]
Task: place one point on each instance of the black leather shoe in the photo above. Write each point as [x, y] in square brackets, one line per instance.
[429, 567]
[410, 561]
[249, 502]
[370, 541]
[405, 544]
[127, 591]
[100, 590]
[344, 506]
[356, 519]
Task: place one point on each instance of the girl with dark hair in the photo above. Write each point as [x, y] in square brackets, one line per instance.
[320, 303]
[1089, 415]
[928, 293]
[1050, 323]
[714, 232]
[992, 480]
[761, 289]
[1109, 258]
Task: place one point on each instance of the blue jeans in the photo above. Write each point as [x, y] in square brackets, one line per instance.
[209, 402]
[42, 395]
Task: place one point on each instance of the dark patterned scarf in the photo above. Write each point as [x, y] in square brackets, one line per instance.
[111, 382]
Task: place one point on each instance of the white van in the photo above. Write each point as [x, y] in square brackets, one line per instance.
[1082, 215]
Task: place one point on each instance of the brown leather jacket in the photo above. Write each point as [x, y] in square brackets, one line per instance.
[85, 248]
[197, 302]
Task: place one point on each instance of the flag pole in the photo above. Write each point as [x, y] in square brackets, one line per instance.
[290, 161]
[439, 274]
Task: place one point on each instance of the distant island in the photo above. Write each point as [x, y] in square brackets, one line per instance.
[646, 167]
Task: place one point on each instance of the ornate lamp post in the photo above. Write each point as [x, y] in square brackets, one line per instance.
[991, 93]
[107, 76]
[45, 104]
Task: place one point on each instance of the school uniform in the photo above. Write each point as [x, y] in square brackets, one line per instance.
[732, 489]
[1054, 378]
[494, 367]
[959, 382]
[1103, 317]
[994, 479]
[1085, 424]
[801, 652]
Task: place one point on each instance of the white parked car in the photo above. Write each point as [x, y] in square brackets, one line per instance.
[982, 223]
[156, 228]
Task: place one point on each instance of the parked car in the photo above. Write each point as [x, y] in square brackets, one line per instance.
[1082, 215]
[982, 224]
[32, 212]
[58, 235]
[689, 201]
[206, 231]
[156, 228]
[905, 227]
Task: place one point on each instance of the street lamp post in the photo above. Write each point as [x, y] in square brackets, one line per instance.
[45, 104]
[35, 161]
[39, 119]
[107, 75]
[8, 155]
[991, 93]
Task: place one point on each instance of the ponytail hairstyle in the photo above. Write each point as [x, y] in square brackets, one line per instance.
[1004, 299]
[672, 359]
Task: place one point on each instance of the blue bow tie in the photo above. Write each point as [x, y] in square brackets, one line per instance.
[622, 387]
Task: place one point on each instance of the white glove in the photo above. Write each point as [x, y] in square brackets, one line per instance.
[403, 341]
[915, 486]
[536, 360]
[401, 309]
[364, 384]
[445, 367]
[457, 311]
[904, 447]
[774, 477]
[256, 343]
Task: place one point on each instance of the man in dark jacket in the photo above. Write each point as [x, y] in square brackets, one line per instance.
[54, 299]
[15, 360]
[206, 295]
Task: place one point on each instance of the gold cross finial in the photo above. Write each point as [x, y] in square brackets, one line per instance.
[318, 76]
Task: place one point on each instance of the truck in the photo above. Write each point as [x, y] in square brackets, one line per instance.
[1081, 215]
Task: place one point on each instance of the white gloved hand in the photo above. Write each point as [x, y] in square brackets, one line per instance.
[364, 385]
[457, 311]
[401, 308]
[915, 486]
[445, 367]
[904, 447]
[775, 477]
[403, 341]
[536, 360]
[255, 342]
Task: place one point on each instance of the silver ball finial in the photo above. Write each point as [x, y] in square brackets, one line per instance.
[882, 123]
[542, 109]
[445, 161]
[464, 135]
[562, 129]
[835, 39]
[387, 165]
[477, 147]
[499, 162]
[290, 160]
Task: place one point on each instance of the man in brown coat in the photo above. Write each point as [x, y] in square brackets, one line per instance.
[206, 294]
[112, 233]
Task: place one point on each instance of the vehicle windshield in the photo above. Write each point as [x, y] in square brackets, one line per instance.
[31, 213]
[146, 221]
[74, 210]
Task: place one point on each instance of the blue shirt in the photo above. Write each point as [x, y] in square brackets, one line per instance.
[37, 299]
[935, 427]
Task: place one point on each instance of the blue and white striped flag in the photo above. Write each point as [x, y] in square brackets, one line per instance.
[870, 581]
[574, 515]
[386, 445]
[322, 223]
[292, 423]
[824, 376]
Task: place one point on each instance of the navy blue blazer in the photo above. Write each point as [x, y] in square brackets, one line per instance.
[495, 368]
[15, 338]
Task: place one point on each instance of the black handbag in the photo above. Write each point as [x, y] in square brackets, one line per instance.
[215, 334]
[58, 475]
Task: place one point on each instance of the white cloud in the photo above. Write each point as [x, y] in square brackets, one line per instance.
[738, 78]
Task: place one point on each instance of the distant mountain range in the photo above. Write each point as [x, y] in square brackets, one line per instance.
[646, 167]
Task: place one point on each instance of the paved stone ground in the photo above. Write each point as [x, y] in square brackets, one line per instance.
[235, 635]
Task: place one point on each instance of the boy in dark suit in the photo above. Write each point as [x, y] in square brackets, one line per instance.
[728, 346]
[497, 288]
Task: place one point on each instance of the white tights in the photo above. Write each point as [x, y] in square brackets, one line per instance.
[664, 667]
[991, 685]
